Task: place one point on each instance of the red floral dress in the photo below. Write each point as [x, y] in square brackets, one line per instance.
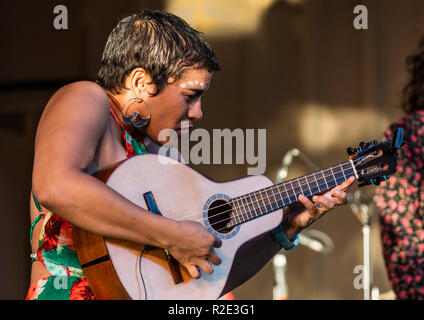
[400, 203]
[57, 252]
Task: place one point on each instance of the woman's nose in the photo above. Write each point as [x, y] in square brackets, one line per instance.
[195, 111]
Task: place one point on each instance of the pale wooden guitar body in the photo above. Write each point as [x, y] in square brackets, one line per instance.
[180, 194]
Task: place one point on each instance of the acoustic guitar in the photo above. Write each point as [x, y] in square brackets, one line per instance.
[236, 211]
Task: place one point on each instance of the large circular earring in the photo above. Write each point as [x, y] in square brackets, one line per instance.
[135, 118]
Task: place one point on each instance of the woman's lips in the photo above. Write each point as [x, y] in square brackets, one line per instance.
[183, 130]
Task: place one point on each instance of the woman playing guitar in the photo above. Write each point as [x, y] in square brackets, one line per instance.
[155, 70]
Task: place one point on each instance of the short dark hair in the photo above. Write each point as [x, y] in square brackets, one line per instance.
[160, 42]
[413, 91]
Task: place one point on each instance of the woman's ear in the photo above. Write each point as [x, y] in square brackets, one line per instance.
[141, 82]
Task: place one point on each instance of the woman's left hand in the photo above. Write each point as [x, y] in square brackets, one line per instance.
[295, 219]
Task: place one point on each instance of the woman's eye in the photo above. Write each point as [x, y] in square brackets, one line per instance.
[190, 98]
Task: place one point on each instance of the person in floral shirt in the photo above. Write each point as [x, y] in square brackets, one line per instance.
[400, 200]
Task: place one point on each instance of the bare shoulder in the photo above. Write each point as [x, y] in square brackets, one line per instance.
[84, 87]
[79, 108]
[83, 100]
[79, 94]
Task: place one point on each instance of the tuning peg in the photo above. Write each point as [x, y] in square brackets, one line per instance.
[382, 178]
[397, 138]
[350, 151]
[363, 145]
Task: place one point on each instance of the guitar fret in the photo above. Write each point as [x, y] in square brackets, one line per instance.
[270, 196]
[299, 186]
[314, 189]
[341, 168]
[325, 180]
[241, 207]
[335, 180]
[287, 193]
[248, 201]
[263, 201]
[319, 189]
[234, 211]
[349, 171]
[237, 217]
[318, 178]
[309, 187]
[268, 202]
[257, 202]
[282, 198]
[246, 205]
[301, 191]
[244, 215]
[252, 205]
[260, 206]
[294, 192]
[342, 174]
[331, 179]
[276, 201]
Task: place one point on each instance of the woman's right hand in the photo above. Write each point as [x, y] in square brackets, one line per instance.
[194, 247]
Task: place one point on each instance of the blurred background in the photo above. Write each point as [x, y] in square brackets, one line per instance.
[297, 68]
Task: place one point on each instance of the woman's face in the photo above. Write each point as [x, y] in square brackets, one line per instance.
[178, 101]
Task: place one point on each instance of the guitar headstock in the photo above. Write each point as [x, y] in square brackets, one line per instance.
[375, 161]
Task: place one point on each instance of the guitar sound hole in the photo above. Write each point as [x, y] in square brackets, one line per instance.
[219, 216]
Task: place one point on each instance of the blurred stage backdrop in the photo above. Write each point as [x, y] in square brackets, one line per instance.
[297, 68]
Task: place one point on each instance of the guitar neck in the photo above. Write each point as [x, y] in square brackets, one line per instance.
[258, 203]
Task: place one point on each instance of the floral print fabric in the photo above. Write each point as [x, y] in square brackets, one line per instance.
[400, 202]
[57, 252]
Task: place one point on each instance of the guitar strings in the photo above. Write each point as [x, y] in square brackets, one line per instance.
[301, 185]
[351, 166]
[256, 208]
[249, 217]
[285, 189]
[249, 202]
[348, 163]
[273, 187]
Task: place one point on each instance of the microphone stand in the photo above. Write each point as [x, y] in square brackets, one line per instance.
[362, 209]
[280, 289]
[313, 239]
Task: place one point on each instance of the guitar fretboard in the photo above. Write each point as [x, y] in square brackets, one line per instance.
[255, 204]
